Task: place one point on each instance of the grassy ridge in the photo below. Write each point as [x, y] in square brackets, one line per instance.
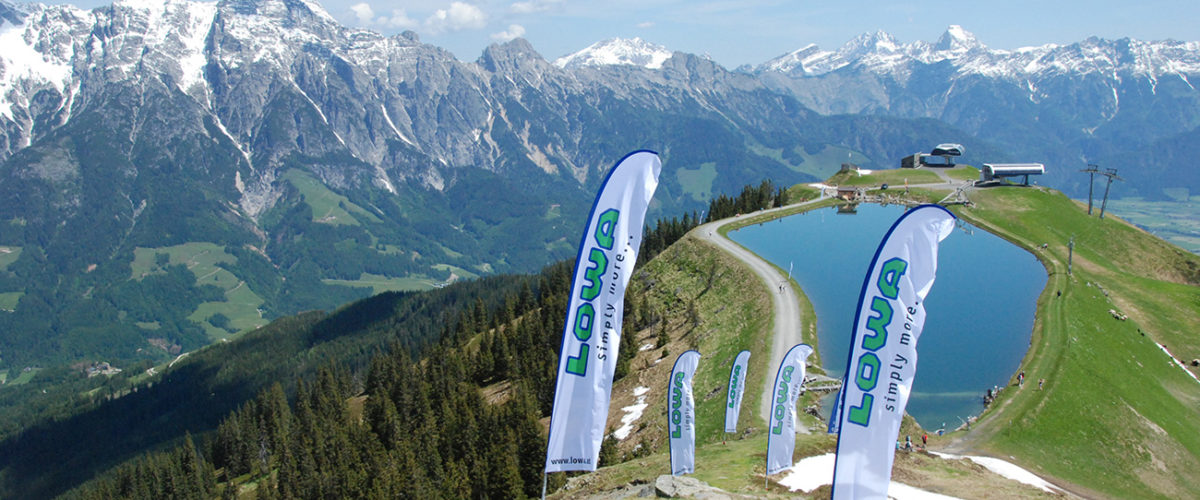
[694, 286]
[895, 177]
[732, 314]
[1116, 416]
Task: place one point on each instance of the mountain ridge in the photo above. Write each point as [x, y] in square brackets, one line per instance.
[266, 128]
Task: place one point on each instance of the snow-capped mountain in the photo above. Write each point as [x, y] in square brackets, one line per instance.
[151, 124]
[269, 133]
[1063, 104]
[618, 51]
[881, 53]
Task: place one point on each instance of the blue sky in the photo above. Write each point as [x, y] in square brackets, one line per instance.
[736, 32]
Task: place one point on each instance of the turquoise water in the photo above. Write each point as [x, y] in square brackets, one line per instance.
[979, 313]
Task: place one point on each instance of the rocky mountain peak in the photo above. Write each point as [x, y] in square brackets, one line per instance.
[957, 39]
[285, 9]
[509, 56]
[879, 41]
[618, 51]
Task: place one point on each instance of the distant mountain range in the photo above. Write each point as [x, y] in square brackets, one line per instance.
[254, 158]
[1125, 103]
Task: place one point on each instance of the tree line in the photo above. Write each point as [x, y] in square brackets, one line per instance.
[751, 199]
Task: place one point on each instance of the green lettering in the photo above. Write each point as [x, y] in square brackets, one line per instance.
[593, 274]
[877, 324]
[585, 317]
[889, 277]
[606, 225]
[866, 382]
[861, 414]
[577, 365]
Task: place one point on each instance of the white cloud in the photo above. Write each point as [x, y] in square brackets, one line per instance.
[645, 24]
[366, 16]
[458, 16]
[398, 19]
[531, 6]
[513, 31]
[363, 12]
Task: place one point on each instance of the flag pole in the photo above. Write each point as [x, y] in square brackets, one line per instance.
[544, 476]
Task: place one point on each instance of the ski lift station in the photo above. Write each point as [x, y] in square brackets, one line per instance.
[945, 151]
[996, 171]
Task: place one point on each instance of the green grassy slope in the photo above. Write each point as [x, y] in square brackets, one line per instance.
[1116, 417]
[895, 177]
[731, 315]
[715, 305]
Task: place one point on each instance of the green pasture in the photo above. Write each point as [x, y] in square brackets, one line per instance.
[698, 182]
[963, 173]
[379, 284]
[241, 304]
[328, 207]
[9, 300]
[895, 178]
[1116, 416]
[820, 165]
[8, 255]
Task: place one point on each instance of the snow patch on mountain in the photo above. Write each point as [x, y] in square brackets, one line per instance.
[804, 61]
[23, 66]
[192, 37]
[618, 51]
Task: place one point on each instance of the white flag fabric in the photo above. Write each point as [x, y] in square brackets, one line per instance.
[681, 414]
[883, 352]
[781, 431]
[737, 385]
[588, 355]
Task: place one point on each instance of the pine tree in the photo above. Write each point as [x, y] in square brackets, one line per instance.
[609, 454]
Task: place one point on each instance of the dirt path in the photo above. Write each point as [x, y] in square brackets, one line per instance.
[785, 303]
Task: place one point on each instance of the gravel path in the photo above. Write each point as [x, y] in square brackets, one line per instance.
[784, 301]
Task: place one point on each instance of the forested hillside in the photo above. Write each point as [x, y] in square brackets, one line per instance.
[321, 403]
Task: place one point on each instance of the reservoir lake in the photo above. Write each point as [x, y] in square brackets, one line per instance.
[979, 313]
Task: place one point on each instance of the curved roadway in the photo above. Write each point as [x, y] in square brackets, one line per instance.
[785, 303]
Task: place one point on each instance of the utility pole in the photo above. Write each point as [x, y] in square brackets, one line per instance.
[1091, 171]
[1070, 253]
[1111, 173]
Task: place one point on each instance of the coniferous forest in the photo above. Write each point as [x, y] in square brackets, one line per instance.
[423, 395]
